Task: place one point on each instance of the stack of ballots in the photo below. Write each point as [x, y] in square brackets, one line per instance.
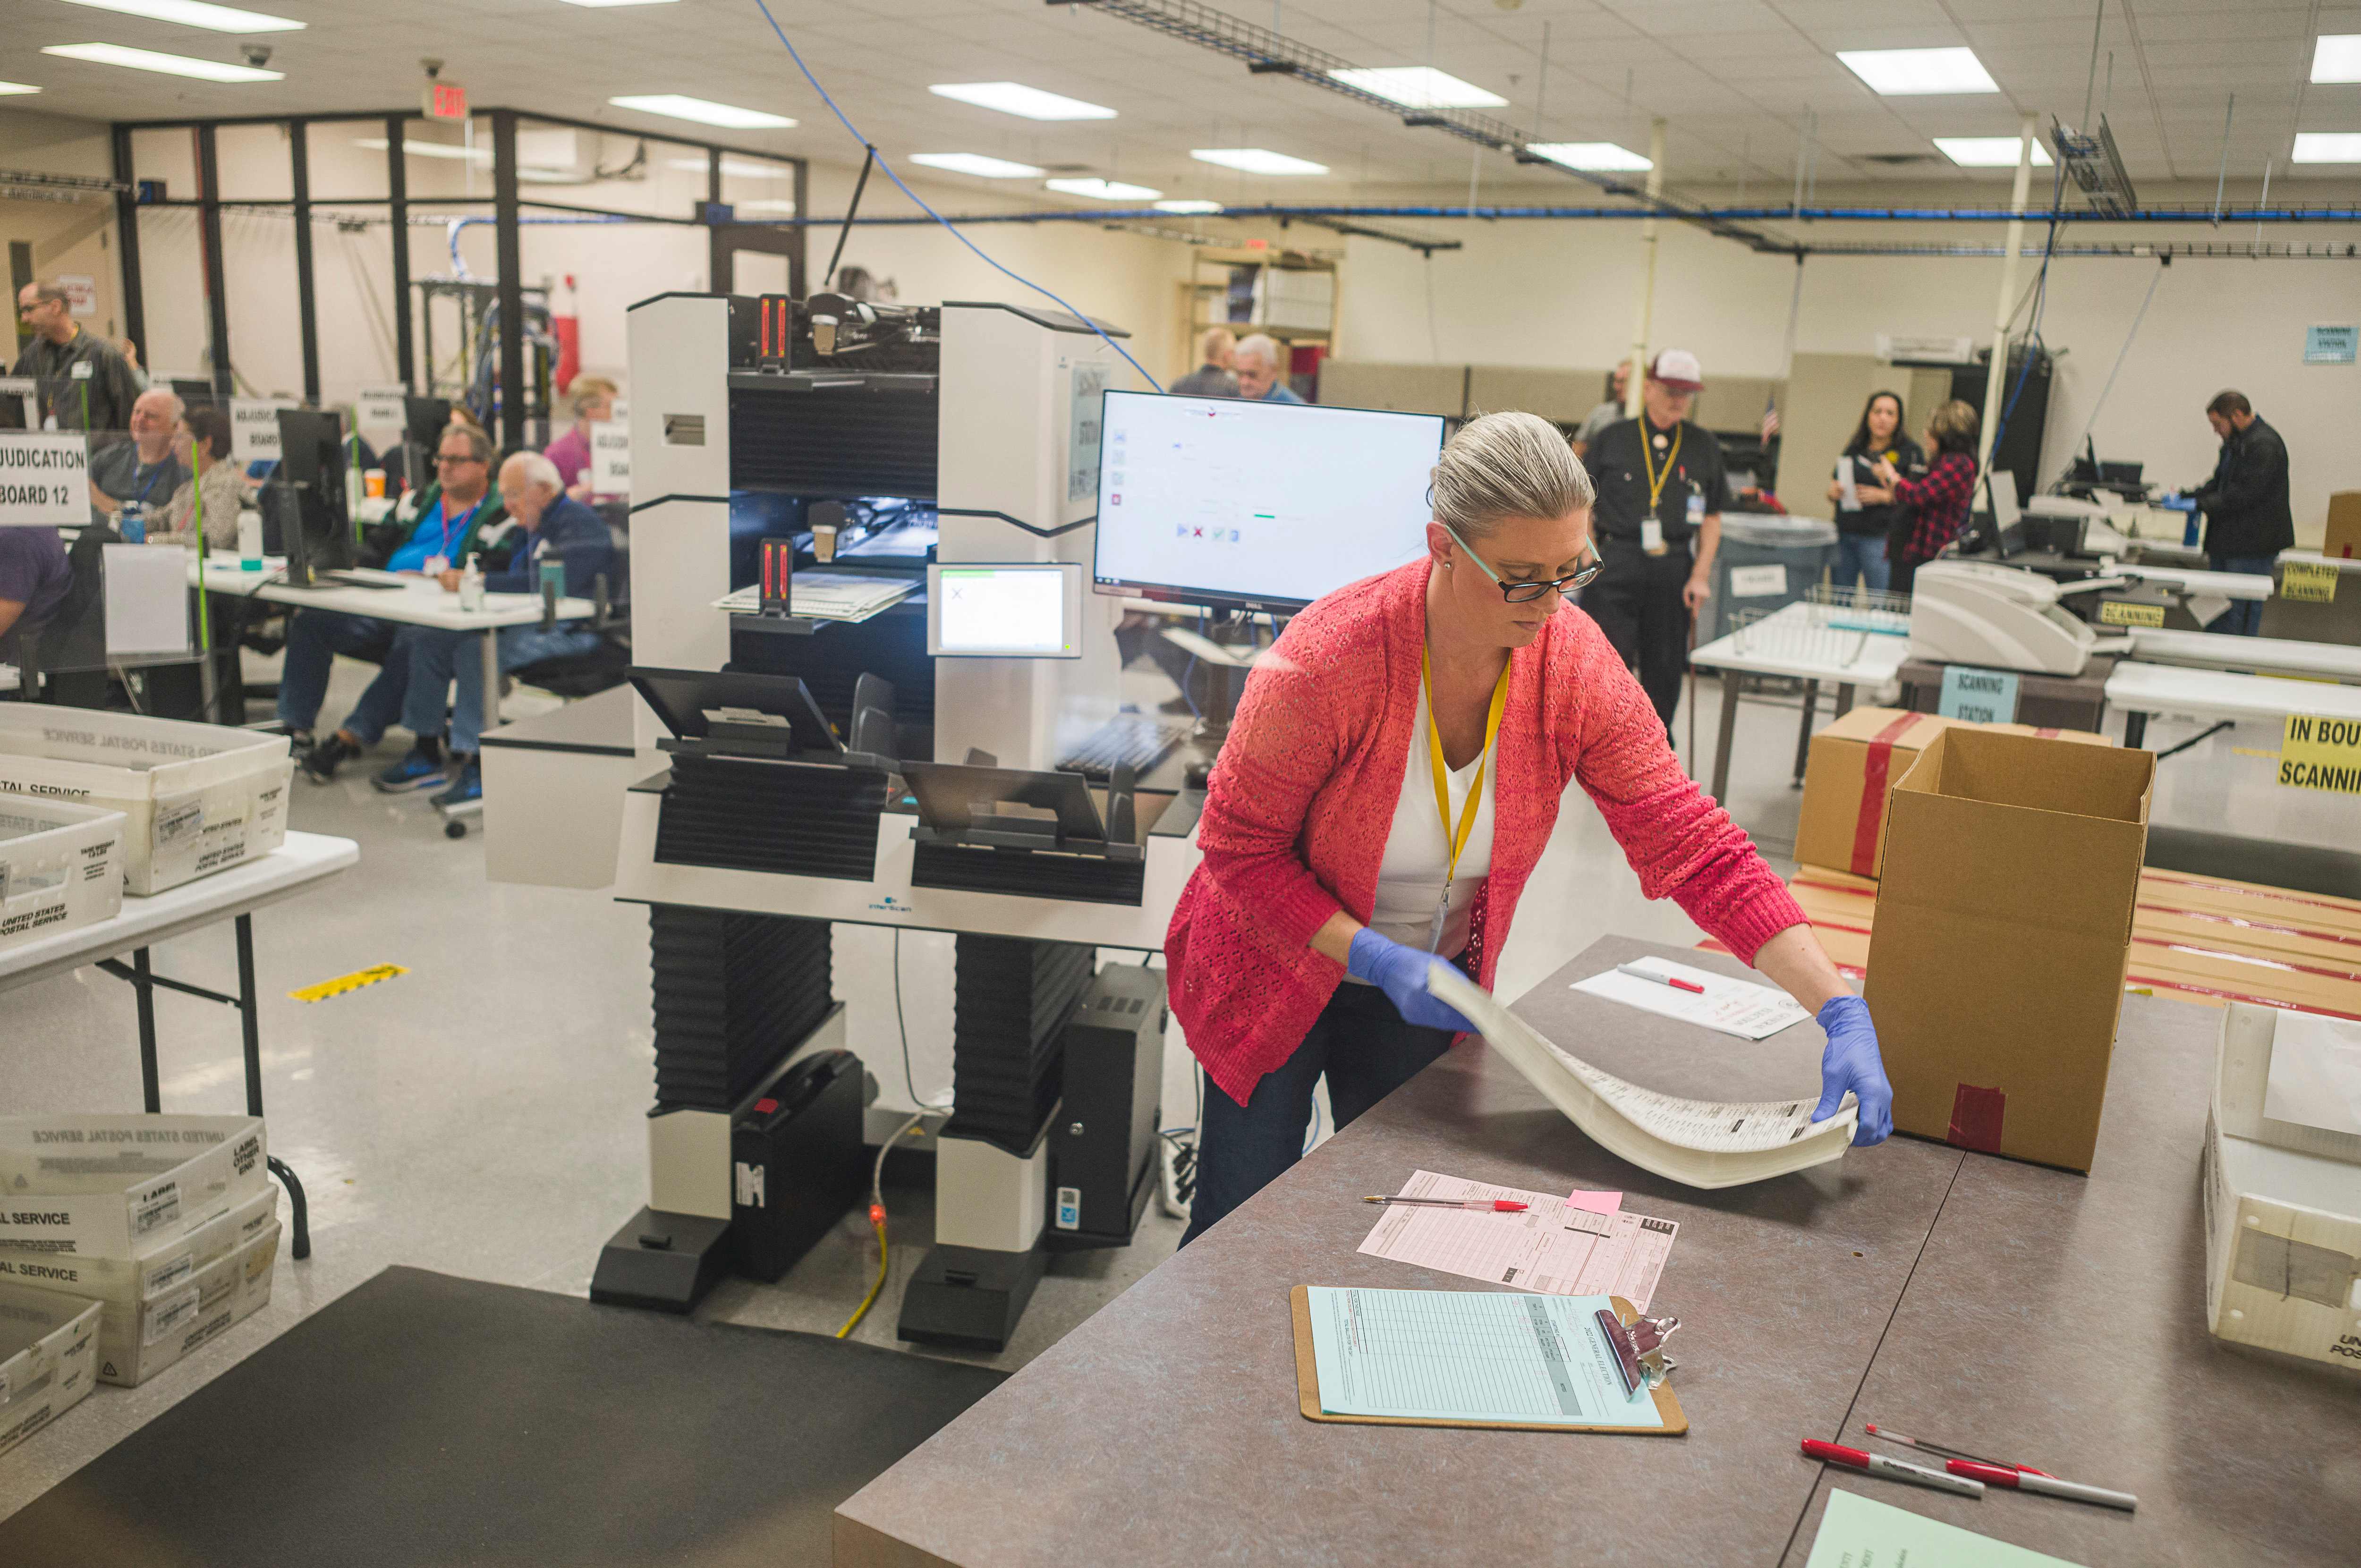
[169, 1223]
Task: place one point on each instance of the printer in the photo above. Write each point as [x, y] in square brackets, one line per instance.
[1974, 612]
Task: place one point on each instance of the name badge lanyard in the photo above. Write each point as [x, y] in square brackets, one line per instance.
[452, 525]
[1457, 840]
[1647, 459]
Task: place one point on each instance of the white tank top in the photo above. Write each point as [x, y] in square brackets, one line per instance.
[1411, 877]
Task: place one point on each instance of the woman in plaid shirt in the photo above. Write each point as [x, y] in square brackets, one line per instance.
[1934, 509]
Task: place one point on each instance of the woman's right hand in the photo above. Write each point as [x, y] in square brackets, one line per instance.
[1400, 973]
[1836, 491]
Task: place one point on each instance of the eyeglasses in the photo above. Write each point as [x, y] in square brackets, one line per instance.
[459, 457]
[1525, 592]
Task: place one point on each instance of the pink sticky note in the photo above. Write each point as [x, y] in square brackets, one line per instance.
[1596, 1202]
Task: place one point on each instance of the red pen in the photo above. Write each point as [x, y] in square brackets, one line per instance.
[1490, 1205]
[1636, 972]
[2035, 1481]
[1892, 1469]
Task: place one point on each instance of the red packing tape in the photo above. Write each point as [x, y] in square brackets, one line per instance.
[1875, 769]
[1976, 1115]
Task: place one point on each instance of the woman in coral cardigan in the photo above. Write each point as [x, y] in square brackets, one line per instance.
[1393, 774]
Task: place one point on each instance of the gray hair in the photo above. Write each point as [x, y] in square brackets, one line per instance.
[480, 445]
[1504, 466]
[1259, 346]
[539, 471]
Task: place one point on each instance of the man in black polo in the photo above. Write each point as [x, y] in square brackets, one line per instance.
[2247, 520]
[1661, 492]
[85, 382]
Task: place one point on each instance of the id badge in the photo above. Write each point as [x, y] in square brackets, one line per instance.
[1442, 917]
[1652, 535]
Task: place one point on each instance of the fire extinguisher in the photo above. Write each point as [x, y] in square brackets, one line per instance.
[566, 323]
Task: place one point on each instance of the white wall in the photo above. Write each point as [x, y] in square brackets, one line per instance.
[72, 238]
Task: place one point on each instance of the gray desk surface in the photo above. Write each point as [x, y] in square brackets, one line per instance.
[2001, 1307]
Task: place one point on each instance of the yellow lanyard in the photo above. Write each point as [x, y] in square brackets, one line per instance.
[1457, 841]
[1647, 459]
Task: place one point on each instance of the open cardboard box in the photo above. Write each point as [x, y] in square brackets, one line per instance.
[2012, 867]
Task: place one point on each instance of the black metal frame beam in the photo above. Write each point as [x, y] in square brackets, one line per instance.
[126, 242]
[507, 240]
[397, 187]
[299, 168]
[217, 287]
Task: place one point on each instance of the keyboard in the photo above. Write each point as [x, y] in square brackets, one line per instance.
[1127, 737]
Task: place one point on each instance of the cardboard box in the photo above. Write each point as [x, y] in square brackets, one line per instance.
[197, 798]
[136, 1342]
[1996, 965]
[60, 866]
[1854, 764]
[114, 1186]
[48, 1347]
[2343, 536]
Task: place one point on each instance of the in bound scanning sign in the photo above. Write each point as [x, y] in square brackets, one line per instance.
[2321, 753]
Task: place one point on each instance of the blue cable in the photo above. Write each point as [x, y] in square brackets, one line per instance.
[854, 132]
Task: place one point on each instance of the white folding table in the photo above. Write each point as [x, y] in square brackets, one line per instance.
[1789, 644]
[302, 862]
[2214, 696]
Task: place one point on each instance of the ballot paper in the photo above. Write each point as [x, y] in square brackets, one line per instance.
[1856, 1532]
[1737, 1007]
[1552, 1249]
[826, 596]
[1470, 1355]
[2315, 1079]
[1700, 1142]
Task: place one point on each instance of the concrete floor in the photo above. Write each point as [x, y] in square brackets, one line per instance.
[483, 1114]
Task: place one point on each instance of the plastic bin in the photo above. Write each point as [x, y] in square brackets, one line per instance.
[196, 798]
[75, 1186]
[1764, 561]
[48, 1346]
[60, 866]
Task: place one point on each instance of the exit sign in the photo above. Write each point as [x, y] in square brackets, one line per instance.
[445, 100]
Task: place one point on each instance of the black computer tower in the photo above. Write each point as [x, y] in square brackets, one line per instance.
[1103, 1140]
[797, 1163]
[2019, 451]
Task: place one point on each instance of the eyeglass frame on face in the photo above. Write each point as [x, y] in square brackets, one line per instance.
[460, 457]
[1572, 579]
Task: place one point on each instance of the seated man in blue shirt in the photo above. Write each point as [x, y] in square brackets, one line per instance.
[543, 524]
[450, 513]
[1258, 366]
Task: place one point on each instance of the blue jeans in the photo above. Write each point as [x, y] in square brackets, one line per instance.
[1367, 1052]
[1862, 557]
[438, 657]
[2245, 617]
[314, 638]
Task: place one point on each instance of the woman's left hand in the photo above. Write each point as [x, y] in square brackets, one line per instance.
[1852, 1065]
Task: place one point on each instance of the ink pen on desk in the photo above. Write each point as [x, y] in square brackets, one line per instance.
[1892, 1469]
[1636, 972]
[1999, 1473]
[1488, 1205]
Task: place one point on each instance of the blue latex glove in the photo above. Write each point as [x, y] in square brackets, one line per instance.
[1400, 973]
[1851, 1064]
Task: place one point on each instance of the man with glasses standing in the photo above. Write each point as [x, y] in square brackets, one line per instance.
[451, 512]
[1661, 492]
[85, 382]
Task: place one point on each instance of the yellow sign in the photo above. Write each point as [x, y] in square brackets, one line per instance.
[342, 983]
[2314, 581]
[2122, 612]
[2321, 753]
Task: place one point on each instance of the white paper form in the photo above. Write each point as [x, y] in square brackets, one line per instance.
[1550, 1249]
[2316, 1077]
[1470, 1355]
[1737, 1007]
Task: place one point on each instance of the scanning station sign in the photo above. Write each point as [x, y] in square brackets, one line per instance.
[44, 479]
[2321, 753]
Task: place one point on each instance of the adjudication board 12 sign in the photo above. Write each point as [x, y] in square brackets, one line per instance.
[44, 479]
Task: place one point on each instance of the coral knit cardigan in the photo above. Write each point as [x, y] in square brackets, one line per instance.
[1303, 795]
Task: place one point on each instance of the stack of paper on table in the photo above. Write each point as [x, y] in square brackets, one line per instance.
[1554, 1248]
[826, 596]
[1737, 1007]
[1698, 1143]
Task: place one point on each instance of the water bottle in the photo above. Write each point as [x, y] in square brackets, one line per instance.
[249, 539]
[132, 524]
[471, 587]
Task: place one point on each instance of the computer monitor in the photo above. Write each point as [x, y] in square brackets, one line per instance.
[1020, 611]
[1228, 503]
[315, 523]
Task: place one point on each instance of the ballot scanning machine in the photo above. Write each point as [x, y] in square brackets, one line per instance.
[816, 790]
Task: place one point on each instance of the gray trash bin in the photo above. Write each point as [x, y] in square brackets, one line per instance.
[1803, 546]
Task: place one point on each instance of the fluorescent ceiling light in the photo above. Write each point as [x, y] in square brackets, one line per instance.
[735, 167]
[1592, 156]
[2336, 58]
[452, 150]
[1897, 72]
[1188, 206]
[1989, 152]
[672, 105]
[1105, 189]
[1015, 98]
[196, 14]
[976, 164]
[10, 89]
[1420, 87]
[2328, 146]
[1256, 160]
[169, 64]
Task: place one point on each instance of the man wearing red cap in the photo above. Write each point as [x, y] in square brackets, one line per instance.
[1660, 490]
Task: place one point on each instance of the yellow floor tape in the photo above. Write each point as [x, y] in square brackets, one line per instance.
[342, 983]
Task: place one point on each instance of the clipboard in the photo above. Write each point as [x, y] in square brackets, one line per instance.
[1307, 1389]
